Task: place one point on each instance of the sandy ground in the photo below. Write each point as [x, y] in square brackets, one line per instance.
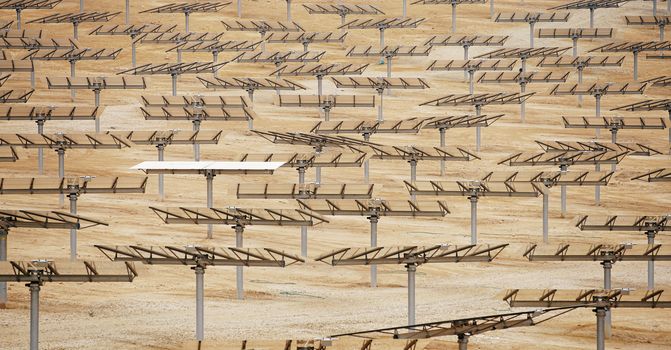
[157, 311]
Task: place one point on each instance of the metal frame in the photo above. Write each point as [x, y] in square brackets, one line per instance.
[531, 18]
[175, 70]
[21, 5]
[574, 34]
[133, 31]
[76, 19]
[592, 5]
[187, 9]
[320, 70]
[454, 4]
[325, 102]
[251, 84]
[389, 52]
[523, 54]
[635, 48]
[18, 66]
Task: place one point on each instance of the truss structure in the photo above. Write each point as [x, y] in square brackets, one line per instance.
[239, 218]
[320, 70]
[388, 52]
[251, 84]
[342, 10]
[600, 300]
[8, 154]
[21, 5]
[36, 219]
[4, 78]
[325, 102]
[35, 273]
[279, 57]
[41, 114]
[208, 169]
[522, 79]
[76, 19]
[188, 8]
[176, 38]
[614, 124]
[634, 149]
[532, 18]
[659, 21]
[18, 66]
[523, 54]
[72, 56]
[73, 187]
[412, 257]
[97, 84]
[471, 66]
[382, 24]
[304, 191]
[574, 34]
[466, 41]
[214, 47]
[592, 5]
[374, 209]
[657, 175]
[262, 27]
[133, 31]
[195, 100]
[175, 70]
[648, 105]
[37, 43]
[198, 259]
[454, 4]
[651, 225]
[635, 48]
[15, 96]
[473, 190]
[198, 112]
[305, 38]
[463, 328]
[19, 33]
[380, 85]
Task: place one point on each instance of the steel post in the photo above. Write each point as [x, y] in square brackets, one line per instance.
[96, 93]
[454, 17]
[200, 300]
[250, 93]
[289, 10]
[196, 146]
[174, 84]
[32, 78]
[478, 113]
[239, 8]
[607, 268]
[81, 6]
[597, 98]
[320, 82]
[413, 174]
[491, 8]
[366, 163]
[597, 188]
[18, 19]
[471, 85]
[380, 115]
[466, 58]
[381, 44]
[562, 169]
[412, 268]
[209, 175]
[238, 269]
[462, 339]
[405, 8]
[523, 88]
[304, 241]
[373, 243]
[34, 314]
[40, 150]
[3, 257]
[580, 69]
[531, 34]
[75, 26]
[546, 224]
[474, 219]
[591, 18]
[388, 69]
[186, 20]
[635, 65]
[524, 64]
[600, 328]
[160, 147]
[661, 33]
[575, 46]
[73, 231]
[651, 263]
[654, 7]
[442, 144]
[128, 14]
[61, 172]
[133, 53]
[73, 92]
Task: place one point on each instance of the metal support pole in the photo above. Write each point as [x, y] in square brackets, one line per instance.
[306, 45]
[327, 113]
[319, 84]
[250, 93]
[471, 76]
[562, 169]
[40, 150]
[301, 175]
[412, 268]
[388, 67]
[34, 314]
[668, 6]
[669, 111]
[381, 44]
[289, 10]
[546, 224]
[474, 219]
[238, 269]
[651, 263]
[196, 146]
[524, 64]
[96, 93]
[454, 17]
[466, 58]
[413, 174]
[580, 69]
[3, 257]
[73, 92]
[635, 65]
[366, 163]
[161, 148]
[523, 107]
[73, 231]
[380, 115]
[607, 267]
[373, 243]
[405, 8]
[600, 327]
[239, 8]
[531, 34]
[575, 46]
[478, 112]
[210, 198]
[304, 241]
[179, 56]
[463, 338]
[591, 18]
[81, 6]
[18, 19]
[61, 172]
[186, 20]
[215, 59]
[200, 300]
[128, 14]
[32, 78]
[654, 8]
[442, 144]
[491, 8]
[174, 84]
[597, 188]
[661, 32]
[75, 26]
[133, 53]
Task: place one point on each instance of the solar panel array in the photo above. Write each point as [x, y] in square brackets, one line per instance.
[228, 64]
